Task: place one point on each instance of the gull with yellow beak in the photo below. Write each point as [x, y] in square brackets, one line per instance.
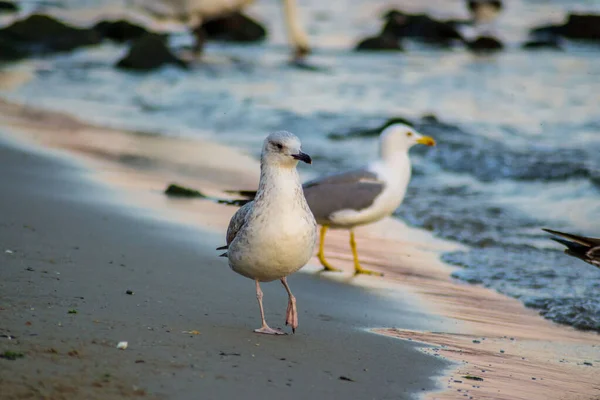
[365, 195]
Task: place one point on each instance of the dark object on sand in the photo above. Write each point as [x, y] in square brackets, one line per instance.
[8, 6]
[345, 378]
[373, 132]
[584, 248]
[11, 355]
[472, 377]
[235, 27]
[485, 44]
[578, 27]
[181, 191]
[149, 52]
[119, 31]
[40, 34]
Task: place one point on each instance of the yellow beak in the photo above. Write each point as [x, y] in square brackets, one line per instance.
[426, 140]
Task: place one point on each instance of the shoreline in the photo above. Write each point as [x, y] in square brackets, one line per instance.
[144, 165]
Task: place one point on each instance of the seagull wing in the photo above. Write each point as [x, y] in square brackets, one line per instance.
[352, 190]
[235, 224]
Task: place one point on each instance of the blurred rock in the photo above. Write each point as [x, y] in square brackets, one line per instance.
[578, 27]
[419, 26]
[40, 34]
[149, 52]
[235, 27]
[549, 44]
[8, 6]
[369, 132]
[485, 44]
[10, 52]
[119, 31]
[399, 25]
[380, 43]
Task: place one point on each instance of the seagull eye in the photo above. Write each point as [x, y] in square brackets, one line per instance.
[409, 134]
[279, 146]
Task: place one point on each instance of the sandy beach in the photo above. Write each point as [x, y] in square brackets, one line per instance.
[87, 220]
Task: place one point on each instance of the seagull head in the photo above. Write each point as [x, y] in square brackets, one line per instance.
[283, 149]
[400, 138]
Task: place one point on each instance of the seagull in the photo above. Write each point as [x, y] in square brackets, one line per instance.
[584, 248]
[194, 12]
[365, 195]
[274, 235]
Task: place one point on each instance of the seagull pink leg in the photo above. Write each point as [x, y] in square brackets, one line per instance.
[264, 328]
[291, 317]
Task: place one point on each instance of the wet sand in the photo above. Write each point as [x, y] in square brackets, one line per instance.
[417, 296]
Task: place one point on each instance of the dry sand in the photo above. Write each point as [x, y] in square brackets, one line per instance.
[539, 359]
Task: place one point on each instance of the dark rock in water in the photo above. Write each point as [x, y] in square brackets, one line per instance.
[419, 26]
[149, 52]
[119, 31]
[235, 27]
[430, 118]
[485, 44]
[551, 44]
[39, 34]
[9, 51]
[357, 133]
[181, 191]
[578, 27]
[379, 43]
[399, 25]
[582, 26]
[8, 6]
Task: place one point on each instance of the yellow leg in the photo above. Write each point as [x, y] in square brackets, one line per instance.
[321, 253]
[357, 268]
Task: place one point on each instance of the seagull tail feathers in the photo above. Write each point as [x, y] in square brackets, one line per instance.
[573, 246]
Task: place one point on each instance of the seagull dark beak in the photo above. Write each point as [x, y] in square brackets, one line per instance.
[426, 140]
[303, 157]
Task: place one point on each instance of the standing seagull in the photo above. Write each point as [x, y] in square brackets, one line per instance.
[365, 195]
[584, 248]
[274, 235]
[362, 196]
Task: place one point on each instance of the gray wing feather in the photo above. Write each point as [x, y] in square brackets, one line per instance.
[353, 176]
[237, 221]
[327, 198]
